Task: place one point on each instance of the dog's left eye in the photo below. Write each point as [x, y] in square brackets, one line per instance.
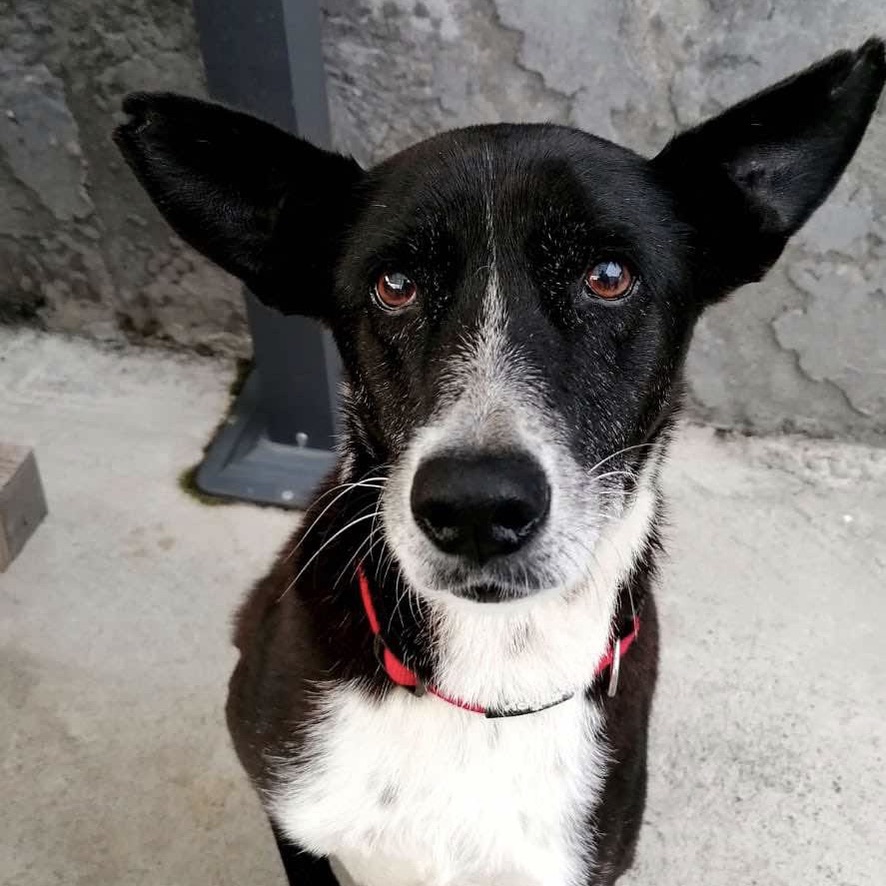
[609, 280]
[394, 291]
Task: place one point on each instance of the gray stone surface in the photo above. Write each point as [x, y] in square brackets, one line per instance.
[82, 250]
[116, 770]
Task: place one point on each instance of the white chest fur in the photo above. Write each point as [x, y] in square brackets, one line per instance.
[414, 792]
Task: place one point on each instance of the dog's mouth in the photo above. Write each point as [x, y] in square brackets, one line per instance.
[483, 592]
[501, 585]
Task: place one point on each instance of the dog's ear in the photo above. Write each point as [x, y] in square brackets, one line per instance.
[749, 178]
[262, 204]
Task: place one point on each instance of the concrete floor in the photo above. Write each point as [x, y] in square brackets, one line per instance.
[770, 724]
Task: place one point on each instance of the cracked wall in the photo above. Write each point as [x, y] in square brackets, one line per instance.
[81, 249]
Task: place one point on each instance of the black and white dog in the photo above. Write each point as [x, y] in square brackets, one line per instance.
[446, 678]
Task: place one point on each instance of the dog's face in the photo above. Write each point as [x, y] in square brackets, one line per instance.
[512, 303]
[513, 306]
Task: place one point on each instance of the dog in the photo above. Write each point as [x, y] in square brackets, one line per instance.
[446, 678]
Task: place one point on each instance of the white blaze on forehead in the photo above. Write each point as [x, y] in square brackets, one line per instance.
[481, 368]
[489, 377]
[491, 394]
[484, 365]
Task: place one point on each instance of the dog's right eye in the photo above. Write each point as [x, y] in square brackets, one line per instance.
[394, 291]
[610, 280]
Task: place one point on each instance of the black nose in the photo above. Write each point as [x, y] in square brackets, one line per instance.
[480, 506]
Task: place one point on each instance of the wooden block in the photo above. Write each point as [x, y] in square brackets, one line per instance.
[22, 503]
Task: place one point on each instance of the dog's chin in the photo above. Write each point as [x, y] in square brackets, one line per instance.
[439, 578]
[484, 585]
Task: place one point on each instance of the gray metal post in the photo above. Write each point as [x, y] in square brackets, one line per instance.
[264, 56]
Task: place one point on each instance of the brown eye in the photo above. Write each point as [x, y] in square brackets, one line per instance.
[609, 280]
[394, 291]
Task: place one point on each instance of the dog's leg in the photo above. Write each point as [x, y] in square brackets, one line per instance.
[302, 868]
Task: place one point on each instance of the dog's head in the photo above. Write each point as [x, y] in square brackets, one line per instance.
[512, 303]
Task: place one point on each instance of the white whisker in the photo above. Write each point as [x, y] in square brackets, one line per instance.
[319, 550]
[359, 484]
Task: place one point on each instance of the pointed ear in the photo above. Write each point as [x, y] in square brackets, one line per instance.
[264, 205]
[749, 178]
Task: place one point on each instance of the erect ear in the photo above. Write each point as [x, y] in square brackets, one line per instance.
[749, 178]
[262, 204]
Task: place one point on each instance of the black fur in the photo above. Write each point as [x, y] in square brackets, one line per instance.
[311, 233]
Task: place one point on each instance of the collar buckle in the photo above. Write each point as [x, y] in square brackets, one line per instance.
[614, 668]
[378, 649]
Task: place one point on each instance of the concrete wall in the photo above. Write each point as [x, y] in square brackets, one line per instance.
[80, 249]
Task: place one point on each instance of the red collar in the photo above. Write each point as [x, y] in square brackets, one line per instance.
[401, 675]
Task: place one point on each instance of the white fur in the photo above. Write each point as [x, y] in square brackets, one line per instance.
[415, 792]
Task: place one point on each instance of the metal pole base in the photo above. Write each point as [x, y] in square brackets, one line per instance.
[244, 463]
